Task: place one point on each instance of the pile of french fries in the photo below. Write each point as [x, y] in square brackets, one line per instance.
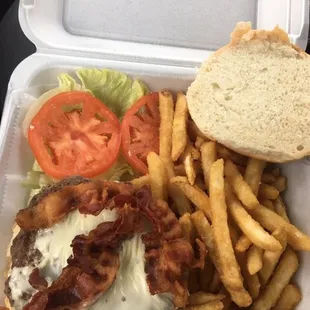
[232, 203]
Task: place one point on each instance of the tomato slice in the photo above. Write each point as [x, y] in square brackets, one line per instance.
[140, 131]
[74, 133]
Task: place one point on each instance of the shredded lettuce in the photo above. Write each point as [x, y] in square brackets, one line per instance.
[115, 89]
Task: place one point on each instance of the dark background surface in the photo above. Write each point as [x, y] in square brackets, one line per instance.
[14, 46]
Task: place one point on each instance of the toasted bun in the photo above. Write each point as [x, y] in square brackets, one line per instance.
[253, 95]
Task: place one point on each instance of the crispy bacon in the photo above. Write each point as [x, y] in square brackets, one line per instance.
[167, 266]
[37, 281]
[95, 261]
[55, 202]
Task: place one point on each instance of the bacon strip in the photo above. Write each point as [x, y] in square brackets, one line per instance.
[95, 261]
[57, 201]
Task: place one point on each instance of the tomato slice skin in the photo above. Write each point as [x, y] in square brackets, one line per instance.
[74, 133]
[140, 131]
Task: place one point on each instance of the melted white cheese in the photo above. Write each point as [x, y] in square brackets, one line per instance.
[130, 289]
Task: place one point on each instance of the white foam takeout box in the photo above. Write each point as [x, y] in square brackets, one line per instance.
[161, 42]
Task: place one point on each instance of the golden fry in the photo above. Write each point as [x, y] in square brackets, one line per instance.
[212, 305]
[254, 259]
[206, 275]
[181, 202]
[200, 298]
[199, 198]
[180, 169]
[284, 272]
[188, 229]
[157, 176]
[229, 269]
[203, 227]
[188, 162]
[243, 244]
[239, 185]
[267, 191]
[252, 281]
[199, 142]
[179, 133]
[208, 157]
[248, 225]
[272, 221]
[289, 298]
[268, 178]
[268, 204]
[140, 182]
[166, 110]
[281, 209]
[253, 173]
[271, 258]
[280, 183]
[215, 284]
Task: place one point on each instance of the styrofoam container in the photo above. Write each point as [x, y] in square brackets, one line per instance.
[161, 42]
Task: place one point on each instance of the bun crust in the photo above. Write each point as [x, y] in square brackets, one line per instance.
[253, 95]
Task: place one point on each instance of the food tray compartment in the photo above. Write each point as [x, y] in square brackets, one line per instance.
[16, 158]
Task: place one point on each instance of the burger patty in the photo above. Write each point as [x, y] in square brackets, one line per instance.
[22, 250]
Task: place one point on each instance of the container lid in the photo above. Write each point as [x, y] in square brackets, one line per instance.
[161, 31]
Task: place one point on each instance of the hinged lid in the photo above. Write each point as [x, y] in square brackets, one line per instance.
[161, 31]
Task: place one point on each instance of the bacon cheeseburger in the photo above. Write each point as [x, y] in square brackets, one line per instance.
[98, 245]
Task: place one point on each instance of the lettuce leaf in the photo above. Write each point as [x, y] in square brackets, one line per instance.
[115, 89]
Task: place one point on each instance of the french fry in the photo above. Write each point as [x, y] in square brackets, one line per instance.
[141, 181]
[284, 272]
[271, 258]
[203, 227]
[157, 176]
[208, 157]
[205, 232]
[248, 225]
[268, 178]
[166, 111]
[254, 259]
[229, 269]
[179, 133]
[193, 131]
[268, 204]
[280, 183]
[212, 305]
[237, 159]
[200, 183]
[181, 202]
[289, 298]
[188, 229]
[188, 162]
[215, 284]
[199, 142]
[252, 281]
[195, 153]
[180, 169]
[234, 235]
[200, 298]
[253, 173]
[206, 275]
[199, 198]
[267, 191]
[240, 187]
[281, 209]
[243, 244]
[272, 221]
